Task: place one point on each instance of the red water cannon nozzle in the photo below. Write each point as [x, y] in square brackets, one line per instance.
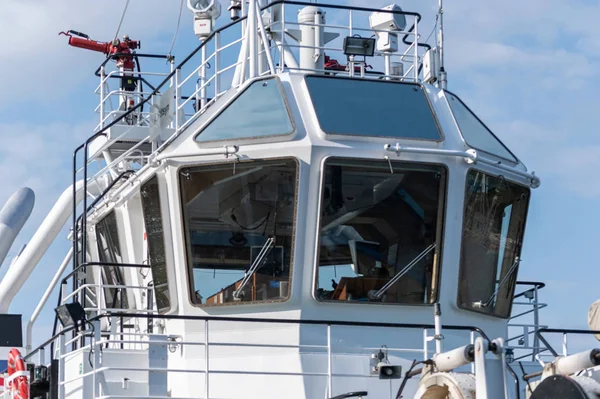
[121, 49]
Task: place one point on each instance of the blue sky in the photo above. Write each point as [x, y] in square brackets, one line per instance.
[528, 69]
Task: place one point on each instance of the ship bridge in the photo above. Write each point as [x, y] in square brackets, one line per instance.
[289, 216]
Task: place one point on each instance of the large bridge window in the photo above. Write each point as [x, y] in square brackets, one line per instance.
[380, 232]
[239, 221]
[359, 107]
[494, 222]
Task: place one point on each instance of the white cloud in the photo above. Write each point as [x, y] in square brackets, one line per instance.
[39, 64]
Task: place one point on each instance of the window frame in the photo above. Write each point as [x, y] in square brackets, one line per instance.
[460, 262]
[230, 103]
[421, 87]
[187, 238]
[440, 234]
[110, 270]
[514, 161]
[168, 274]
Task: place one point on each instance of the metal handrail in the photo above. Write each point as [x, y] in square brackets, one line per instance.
[265, 320]
[565, 332]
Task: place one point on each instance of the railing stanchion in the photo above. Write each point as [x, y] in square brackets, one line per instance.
[425, 347]
[177, 95]
[565, 348]
[416, 44]
[102, 77]
[61, 365]
[282, 66]
[206, 362]
[536, 321]
[217, 64]
[329, 362]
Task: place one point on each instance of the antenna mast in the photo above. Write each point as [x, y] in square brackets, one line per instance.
[443, 75]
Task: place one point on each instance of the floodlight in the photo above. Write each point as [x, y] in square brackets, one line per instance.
[359, 46]
[206, 13]
[389, 18]
[70, 314]
[386, 23]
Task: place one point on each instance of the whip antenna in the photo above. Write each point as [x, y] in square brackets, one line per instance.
[443, 75]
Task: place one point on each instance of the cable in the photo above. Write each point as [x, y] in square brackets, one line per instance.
[176, 30]
[122, 18]
[433, 30]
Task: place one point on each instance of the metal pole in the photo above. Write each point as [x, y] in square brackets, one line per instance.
[416, 44]
[443, 75]
[329, 362]
[282, 64]
[438, 328]
[252, 39]
[102, 77]
[177, 94]
[203, 80]
[206, 361]
[536, 322]
[217, 64]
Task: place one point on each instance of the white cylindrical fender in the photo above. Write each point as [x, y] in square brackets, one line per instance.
[567, 365]
[447, 386]
[448, 361]
[13, 216]
[20, 271]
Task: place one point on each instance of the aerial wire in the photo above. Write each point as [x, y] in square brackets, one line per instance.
[176, 30]
[122, 18]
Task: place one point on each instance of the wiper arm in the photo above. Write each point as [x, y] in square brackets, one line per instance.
[481, 304]
[402, 272]
[262, 255]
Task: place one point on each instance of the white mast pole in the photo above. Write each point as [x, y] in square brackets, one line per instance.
[252, 39]
[443, 75]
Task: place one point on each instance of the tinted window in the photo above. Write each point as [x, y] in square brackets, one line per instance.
[372, 108]
[156, 243]
[259, 110]
[493, 227]
[240, 223]
[475, 133]
[380, 232]
[109, 251]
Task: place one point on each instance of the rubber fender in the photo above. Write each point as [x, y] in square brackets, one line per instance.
[447, 386]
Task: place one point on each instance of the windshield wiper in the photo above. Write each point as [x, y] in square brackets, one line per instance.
[481, 304]
[402, 272]
[262, 255]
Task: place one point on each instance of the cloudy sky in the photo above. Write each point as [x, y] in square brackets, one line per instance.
[529, 69]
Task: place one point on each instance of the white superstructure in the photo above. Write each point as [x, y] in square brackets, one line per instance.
[298, 209]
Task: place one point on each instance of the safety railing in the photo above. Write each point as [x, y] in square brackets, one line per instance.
[564, 334]
[221, 62]
[90, 340]
[525, 322]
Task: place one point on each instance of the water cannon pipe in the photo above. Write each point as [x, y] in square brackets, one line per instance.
[20, 271]
[13, 216]
[83, 41]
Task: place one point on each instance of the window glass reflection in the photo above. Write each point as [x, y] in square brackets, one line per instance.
[380, 232]
[475, 133]
[493, 227]
[240, 222]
